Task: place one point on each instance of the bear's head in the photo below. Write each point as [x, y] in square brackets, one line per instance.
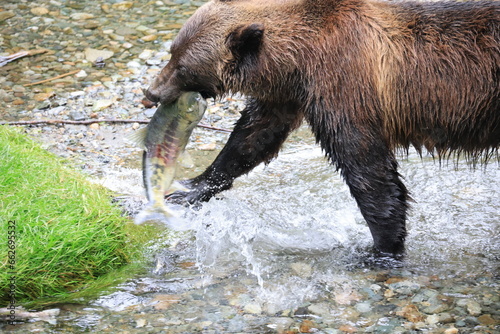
[215, 48]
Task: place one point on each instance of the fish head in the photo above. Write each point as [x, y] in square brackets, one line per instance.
[192, 106]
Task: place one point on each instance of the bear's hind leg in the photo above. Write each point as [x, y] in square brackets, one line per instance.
[369, 168]
[256, 138]
[382, 199]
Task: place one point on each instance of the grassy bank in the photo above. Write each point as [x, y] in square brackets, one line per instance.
[64, 234]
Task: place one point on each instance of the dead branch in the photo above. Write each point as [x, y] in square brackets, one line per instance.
[54, 78]
[91, 121]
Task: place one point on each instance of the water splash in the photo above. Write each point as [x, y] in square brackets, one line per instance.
[298, 210]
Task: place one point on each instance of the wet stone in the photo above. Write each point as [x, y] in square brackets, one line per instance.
[473, 307]
[253, 308]
[81, 16]
[6, 15]
[363, 307]
[405, 287]
[39, 11]
[76, 116]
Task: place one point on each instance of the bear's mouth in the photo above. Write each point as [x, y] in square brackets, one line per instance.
[206, 94]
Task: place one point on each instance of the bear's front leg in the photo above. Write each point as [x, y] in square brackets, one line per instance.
[257, 137]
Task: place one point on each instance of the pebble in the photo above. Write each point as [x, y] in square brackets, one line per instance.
[411, 313]
[102, 104]
[140, 323]
[363, 307]
[146, 54]
[81, 16]
[93, 54]
[124, 5]
[18, 89]
[404, 287]
[206, 147]
[6, 15]
[76, 115]
[301, 269]
[39, 11]
[348, 329]
[472, 306]
[149, 38]
[153, 62]
[42, 96]
[253, 308]
[81, 74]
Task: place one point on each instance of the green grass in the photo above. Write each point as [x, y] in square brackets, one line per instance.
[68, 235]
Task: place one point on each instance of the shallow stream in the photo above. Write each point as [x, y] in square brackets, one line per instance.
[286, 251]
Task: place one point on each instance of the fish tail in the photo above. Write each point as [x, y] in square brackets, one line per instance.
[156, 213]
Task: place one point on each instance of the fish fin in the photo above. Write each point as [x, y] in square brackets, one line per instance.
[154, 212]
[160, 213]
[176, 186]
[185, 160]
[138, 137]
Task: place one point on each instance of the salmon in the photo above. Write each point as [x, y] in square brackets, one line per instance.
[164, 140]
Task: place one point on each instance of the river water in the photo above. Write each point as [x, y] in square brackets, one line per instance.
[286, 250]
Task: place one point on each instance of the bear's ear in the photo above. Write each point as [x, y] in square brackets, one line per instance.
[245, 39]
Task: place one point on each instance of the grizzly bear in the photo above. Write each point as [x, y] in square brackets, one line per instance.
[368, 76]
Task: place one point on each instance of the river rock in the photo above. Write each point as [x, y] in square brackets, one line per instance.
[411, 313]
[347, 297]
[92, 54]
[102, 104]
[207, 147]
[253, 308]
[153, 62]
[76, 115]
[139, 323]
[435, 308]
[39, 11]
[348, 329]
[405, 287]
[280, 324]
[472, 306]
[300, 269]
[487, 320]
[307, 326]
[146, 54]
[163, 302]
[320, 309]
[6, 15]
[149, 38]
[124, 5]
[81, 16]
[363, 307]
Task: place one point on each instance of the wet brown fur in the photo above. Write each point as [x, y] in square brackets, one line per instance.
[425, 76]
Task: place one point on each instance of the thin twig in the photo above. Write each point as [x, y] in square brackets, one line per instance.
[54, 78]
[7, 59]
[91, 121]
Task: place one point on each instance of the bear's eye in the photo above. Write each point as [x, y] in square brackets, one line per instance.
[183, 70]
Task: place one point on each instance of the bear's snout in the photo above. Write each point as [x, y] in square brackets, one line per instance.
[164, 94]
[151, 95]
